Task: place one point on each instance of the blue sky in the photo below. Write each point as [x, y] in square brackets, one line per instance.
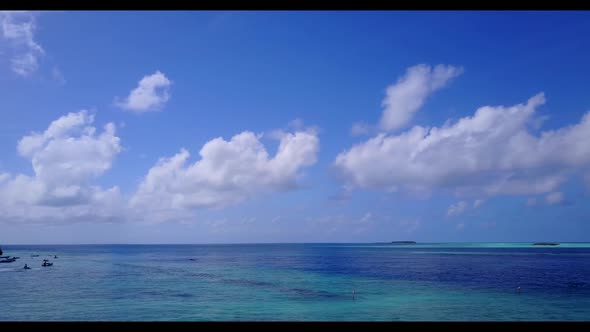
[315, 126]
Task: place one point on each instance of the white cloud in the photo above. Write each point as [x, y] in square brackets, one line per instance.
[456, 209]
[477, 203]
[410, 92]
[555, 198]
[150, 95]
[490, 153]
[66, 157]
[100, 206]
[24, 64]
[70, 151]
[18, 29]
[460, 226]
[531, 201]
[227, 173]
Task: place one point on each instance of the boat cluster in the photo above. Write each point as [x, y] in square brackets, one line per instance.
[8, 259]
[12, 259]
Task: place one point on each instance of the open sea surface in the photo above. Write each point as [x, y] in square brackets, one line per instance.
[298, 282]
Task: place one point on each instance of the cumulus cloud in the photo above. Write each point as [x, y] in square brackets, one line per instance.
[492, 152]
[456, 209]
[410, 92]
[151, 94]
[555, 198]
[18, 29]
[71, 153]
[65, 158]
[100, 205]
[228, 172]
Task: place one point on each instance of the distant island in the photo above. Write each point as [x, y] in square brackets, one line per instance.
[397, 242]
[545, 244]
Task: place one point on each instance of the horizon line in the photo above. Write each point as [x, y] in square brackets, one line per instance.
[258, 243]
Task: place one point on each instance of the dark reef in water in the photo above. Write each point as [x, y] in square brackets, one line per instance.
[545, 244]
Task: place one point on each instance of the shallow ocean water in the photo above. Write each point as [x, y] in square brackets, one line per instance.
[298, 282]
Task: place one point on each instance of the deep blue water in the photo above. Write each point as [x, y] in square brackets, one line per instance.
[294, 282]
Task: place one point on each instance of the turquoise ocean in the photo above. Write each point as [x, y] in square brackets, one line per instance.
[298, 282]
